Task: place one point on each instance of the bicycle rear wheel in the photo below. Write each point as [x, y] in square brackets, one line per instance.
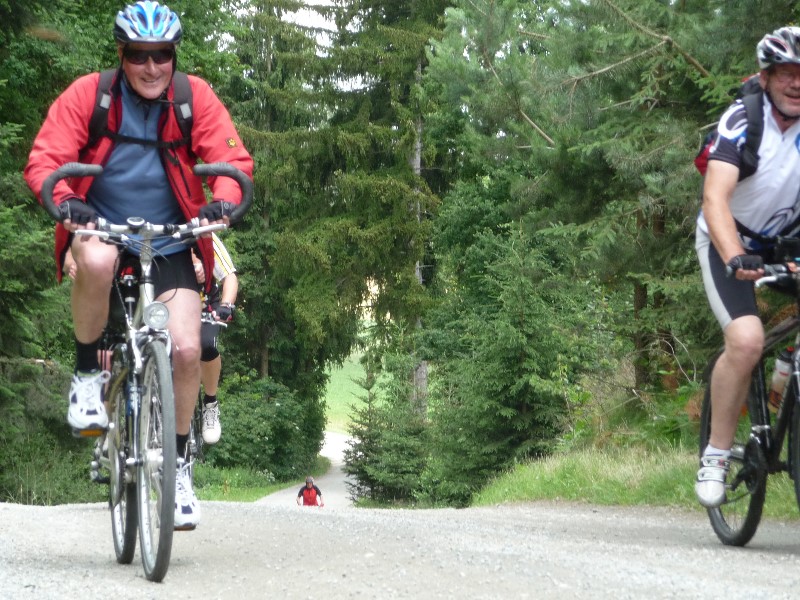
[122, 490]
[736, 521]
[158, 464]
[794, 437]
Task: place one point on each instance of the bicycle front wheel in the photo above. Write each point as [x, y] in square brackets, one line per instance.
[122, 489]
[736, 520]
[158, 462]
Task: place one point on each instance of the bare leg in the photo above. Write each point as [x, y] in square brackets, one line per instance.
[744, 342]
[210, 375]
[90, 291]
[184, 327]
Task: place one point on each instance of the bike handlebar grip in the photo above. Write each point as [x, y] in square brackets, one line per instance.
[228, 170]
[73, 169]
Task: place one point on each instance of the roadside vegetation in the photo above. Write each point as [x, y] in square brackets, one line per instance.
[508, 191]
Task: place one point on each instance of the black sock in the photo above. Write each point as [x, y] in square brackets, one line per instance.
[180, 443]
[209, 399]
[86, 356]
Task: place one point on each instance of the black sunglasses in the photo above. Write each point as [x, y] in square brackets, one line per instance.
[139, 57]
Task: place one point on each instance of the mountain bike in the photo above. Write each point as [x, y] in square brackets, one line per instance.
[758, 447]
[138, 450]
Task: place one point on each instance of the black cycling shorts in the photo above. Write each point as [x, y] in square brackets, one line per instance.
[171, 272]
[729, 298]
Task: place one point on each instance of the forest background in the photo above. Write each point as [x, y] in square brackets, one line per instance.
[492, 202]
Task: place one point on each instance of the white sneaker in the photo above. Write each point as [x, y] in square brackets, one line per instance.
[710, 484]
[187, 508]
[212, 428]
[86, 410]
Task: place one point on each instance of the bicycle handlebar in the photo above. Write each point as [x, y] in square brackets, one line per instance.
[227, 170]
[774, 273]
[219, 169]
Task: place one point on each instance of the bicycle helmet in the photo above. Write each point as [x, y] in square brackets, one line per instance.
[147, 21]
[782, 46]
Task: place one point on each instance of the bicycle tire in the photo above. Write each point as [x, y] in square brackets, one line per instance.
[121, 489]
[794, 438]
[157, 468]
[736, 520]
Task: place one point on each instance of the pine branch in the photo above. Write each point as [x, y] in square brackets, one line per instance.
[536, 36]
[577, 79]
[521, 112]
[664, 38]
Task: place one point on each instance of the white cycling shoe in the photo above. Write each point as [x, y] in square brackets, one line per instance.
[187, 508]
[710, 484]
[86, 412]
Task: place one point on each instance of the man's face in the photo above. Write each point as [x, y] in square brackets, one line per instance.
[148, 67]
[783, 84]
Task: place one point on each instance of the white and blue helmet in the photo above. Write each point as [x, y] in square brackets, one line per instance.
[147, 21]
[780, 47]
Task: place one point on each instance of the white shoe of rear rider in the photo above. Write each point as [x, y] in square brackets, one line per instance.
[187, 508]
[710, 484]
[86, 410]
[212, 429]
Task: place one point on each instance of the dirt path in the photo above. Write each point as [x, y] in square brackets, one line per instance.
[332, 484]
[274, 549]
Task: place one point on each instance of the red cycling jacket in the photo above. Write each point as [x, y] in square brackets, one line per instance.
[65, 132]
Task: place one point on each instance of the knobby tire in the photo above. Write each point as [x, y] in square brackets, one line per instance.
[157, 469]
[736, 521]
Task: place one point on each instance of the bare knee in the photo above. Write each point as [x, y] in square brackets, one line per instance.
[186, 354]
[744, 342]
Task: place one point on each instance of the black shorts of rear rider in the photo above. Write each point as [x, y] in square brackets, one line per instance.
[729, 298]
[208, 341]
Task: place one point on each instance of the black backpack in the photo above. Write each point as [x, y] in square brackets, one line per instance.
[752, 97]
[181, 104]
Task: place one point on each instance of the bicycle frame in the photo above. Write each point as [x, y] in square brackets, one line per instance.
[771, 437]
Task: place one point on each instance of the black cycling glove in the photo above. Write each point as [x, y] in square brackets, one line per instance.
[225, 312]
[216, 210]
[745, 262]
[77, 211]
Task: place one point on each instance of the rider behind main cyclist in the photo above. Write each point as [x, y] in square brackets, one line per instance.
[764, 204]
[219, 303]
[147, 173]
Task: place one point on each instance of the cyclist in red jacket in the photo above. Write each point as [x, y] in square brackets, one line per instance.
[310, 494]
[147, 172]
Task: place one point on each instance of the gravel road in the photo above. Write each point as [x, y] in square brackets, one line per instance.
[274, 549]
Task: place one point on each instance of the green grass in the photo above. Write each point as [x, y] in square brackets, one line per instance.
[243, 485]
[342, 393]
[622, 477]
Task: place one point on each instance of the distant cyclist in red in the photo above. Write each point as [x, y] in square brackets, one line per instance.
[310, 494]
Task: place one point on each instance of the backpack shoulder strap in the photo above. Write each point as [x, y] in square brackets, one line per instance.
[98, 123]
[182, 104]
[754, 109]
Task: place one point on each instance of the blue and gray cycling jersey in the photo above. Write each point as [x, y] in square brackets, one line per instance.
[133, 182]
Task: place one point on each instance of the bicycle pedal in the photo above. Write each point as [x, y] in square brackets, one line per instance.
[87, 433]
[97, 478]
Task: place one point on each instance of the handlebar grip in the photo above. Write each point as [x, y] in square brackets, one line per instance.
[73, 169]
[244, 182]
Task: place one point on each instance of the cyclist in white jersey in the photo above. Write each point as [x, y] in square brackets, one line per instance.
[734, 216]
